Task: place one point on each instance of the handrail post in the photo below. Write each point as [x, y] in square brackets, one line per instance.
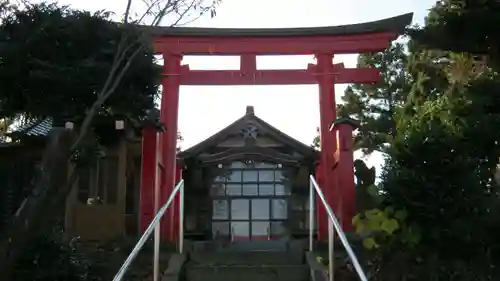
[311, 215]
[156, 253]
[331, 253]
[145, 236]
[181, 219]
[335, 225]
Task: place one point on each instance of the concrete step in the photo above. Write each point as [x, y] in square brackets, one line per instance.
[248, 273]
[247, 258]
[265, 245]
[107, 258]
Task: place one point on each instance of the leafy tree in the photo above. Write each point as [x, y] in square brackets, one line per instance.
[316, 141]
[60, 69]
[440, 169]
[180, 139]
[439, 174]
[6, 7]
[79, 78]
[463, 26]
[442, 158]
[55, 260]
[374, 105]
[435, 70]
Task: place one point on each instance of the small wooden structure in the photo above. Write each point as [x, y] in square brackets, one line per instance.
[103, 202]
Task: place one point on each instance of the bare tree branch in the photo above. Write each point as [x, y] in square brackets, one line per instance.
[101, 99]
[159, 9]
[149, 9]
[127, 11]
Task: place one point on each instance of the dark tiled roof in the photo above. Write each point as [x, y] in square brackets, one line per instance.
[248, 118]
[35, 128]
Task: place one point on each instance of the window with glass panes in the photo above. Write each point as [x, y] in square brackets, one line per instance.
[250, 202]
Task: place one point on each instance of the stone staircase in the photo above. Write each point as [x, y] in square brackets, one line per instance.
[107, 258]
[238, 265]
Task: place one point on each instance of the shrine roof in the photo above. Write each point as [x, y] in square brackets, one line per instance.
[395, 24]
[248, 118]
[35, 128]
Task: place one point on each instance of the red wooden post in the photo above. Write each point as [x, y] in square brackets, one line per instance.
[343, 129]
[324, 70]
[169, 116]
[148, 175]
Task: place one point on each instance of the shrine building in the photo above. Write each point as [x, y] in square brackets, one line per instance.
[247, 182]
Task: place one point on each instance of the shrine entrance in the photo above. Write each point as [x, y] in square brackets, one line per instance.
[334, 172]
[250, 203]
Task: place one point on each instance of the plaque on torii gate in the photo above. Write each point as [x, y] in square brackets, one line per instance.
[322, 42]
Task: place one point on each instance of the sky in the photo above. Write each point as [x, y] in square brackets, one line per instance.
[294, 109]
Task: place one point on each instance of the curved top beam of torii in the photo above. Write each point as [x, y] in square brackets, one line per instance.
[354, 38]
[393, 24]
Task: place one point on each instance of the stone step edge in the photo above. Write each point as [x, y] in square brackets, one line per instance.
[244, 266]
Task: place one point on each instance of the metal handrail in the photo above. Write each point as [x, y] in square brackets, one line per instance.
[333, 223]
[154, 225]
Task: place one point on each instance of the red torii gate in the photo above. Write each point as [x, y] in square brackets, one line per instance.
[323, 42]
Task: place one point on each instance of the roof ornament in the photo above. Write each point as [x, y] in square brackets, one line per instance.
[249, 163]
[250, 110]
[152, 119]
[250, 131]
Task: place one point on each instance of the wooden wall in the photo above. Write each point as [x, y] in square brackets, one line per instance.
[96, 206]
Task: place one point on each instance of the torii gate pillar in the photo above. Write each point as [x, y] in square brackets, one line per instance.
[327, 108]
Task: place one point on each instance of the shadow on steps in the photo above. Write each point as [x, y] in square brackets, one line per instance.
[236, 264]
